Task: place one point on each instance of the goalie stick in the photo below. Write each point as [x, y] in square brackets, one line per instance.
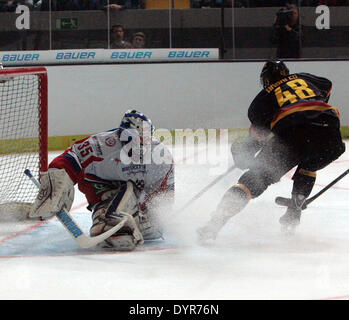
[68, 222]
[286, 202]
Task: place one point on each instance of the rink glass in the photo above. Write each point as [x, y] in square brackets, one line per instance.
[240, 29]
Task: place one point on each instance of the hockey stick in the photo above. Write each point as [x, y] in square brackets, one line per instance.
[209, 186]
[68, 222]
[286, 201]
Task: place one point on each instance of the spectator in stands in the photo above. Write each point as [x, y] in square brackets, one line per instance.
[32, 4]
[71, 5]
[243, 3]
[60, 5]
[116, 5]
[309, 3]
[282, 3]
[117, 38]
[334, 3]
[287, 33]
[269, 3]
[202, 3]
[213, 3]
[8, 6]
[85, 5]
[138, 40]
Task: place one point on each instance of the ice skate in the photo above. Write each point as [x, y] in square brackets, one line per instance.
[291, 219]
[233, 201]
[211, 229]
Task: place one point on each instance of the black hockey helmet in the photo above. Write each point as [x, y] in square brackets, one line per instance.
[273, 70]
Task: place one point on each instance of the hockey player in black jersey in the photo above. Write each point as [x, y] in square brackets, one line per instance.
[292, 125]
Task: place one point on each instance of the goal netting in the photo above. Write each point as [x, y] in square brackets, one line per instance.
[23, 136]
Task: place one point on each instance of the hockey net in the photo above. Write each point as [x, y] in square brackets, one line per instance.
[23, 137]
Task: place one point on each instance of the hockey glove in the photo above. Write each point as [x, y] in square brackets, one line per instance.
[243, 156]
[56, 193]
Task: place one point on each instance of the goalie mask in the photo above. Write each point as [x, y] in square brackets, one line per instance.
[136, 131]
[272, 72]
[134, 120]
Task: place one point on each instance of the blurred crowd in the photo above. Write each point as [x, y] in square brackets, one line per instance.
[72, 5]
[265, 3]
[281, 3]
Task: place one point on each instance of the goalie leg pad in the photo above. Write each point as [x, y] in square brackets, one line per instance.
[149, 226]
[110, 211]
[56, 193]
[119, 243]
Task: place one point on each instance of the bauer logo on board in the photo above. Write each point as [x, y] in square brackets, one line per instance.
[80, 56]
[21, 57]
[83, 55]
[182, 54]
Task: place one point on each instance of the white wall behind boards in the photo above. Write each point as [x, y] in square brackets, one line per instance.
[92, 98]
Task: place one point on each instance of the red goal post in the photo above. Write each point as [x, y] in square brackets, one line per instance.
[23, 136]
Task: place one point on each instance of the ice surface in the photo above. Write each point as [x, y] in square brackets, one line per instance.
[250, 259]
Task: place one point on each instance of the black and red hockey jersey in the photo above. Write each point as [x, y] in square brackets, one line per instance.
[296, 99]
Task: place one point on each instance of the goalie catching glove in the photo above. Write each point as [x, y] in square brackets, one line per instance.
[56, 193]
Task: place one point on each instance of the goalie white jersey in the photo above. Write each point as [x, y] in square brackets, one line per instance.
[97, 162]
[123, 173]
